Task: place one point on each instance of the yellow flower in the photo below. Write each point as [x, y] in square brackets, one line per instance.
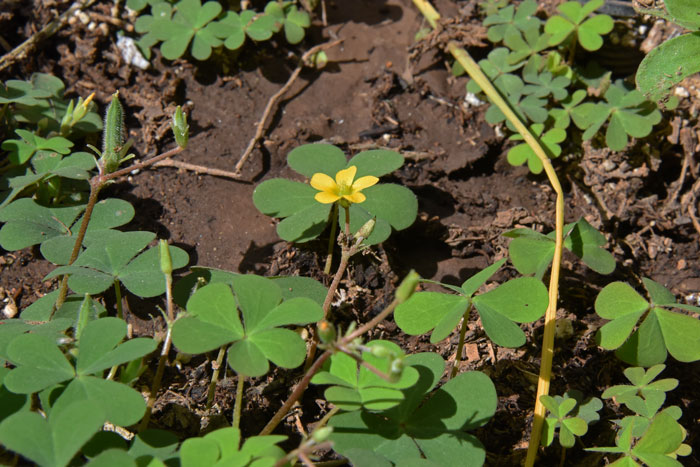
[343, 187]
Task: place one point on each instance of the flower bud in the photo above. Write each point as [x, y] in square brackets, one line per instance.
[180, 127]
[407, 287]
[326, 331]
[396, 369]
[166, 262]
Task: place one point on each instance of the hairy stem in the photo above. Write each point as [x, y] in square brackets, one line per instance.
[215, 377]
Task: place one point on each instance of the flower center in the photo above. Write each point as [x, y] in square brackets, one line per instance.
[344, 189]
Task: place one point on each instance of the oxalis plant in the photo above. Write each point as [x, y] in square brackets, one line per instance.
[176, 25]
[652, 437]
[534, 68]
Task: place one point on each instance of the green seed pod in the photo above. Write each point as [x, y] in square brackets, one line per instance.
[366, 230]
[112, 136]
[166, 262]
[396, 369]
[326, 331]
[180, 127]
[381, 352]
[322, 434]
[407, 287]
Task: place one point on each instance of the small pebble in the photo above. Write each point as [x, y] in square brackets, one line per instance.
[681, 92]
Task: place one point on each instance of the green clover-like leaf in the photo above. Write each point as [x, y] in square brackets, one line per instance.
[627, 113]
[522, 153]
[517, 301]
[572, 21]
[435, 429]
[222, 447]
[116, 255]
[53, 441]
[532, 252]
[352, 389]
[571, 414]
[40, 364]
[214, 321]
[21, 150]
[662, 331]
[503, 21]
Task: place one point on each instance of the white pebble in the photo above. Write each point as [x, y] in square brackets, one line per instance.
[131, 53]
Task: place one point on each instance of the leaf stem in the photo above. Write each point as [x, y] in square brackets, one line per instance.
[215, 377]
[460, 344]
[239, 401]
[118, 298]
[157, 380]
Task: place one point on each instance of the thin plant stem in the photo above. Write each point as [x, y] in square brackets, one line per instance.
[156, 380]
[303, 384]
[118, 298]
[331, 239]
[96, 184]
[239, 401]
[215, 377]
[296, 394]
[460, 344]
[347, 222]
[95, 187]
[324, 421]
[474, 71]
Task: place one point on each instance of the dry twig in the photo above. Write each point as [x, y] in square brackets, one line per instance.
[22, 50]
[275, 97]
[199, 169]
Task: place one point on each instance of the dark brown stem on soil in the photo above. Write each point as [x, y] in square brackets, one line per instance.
[460, 345]
[95, 187]
[273, 100]
[296, 394]
[215, 376]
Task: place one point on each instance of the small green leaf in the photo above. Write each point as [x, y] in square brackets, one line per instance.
[376, 162]
[56, 441]
[40, 364]
[309, 159]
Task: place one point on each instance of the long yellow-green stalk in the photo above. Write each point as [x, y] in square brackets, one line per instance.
[477, 75]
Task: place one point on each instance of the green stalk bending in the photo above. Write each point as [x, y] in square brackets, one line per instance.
[545, 376]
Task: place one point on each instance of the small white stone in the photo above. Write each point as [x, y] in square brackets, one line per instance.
[643, 29]
[131, 53]
[681, 92]
[471, 99]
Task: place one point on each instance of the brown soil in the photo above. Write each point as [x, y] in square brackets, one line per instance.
[378, 90]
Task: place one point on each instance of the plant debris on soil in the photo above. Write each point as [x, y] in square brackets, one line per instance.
[380, 89]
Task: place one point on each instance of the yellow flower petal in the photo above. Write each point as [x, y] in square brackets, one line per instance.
[326, 198]
[356, 197]
[323, 182]
[345, 176]
[364, 182]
